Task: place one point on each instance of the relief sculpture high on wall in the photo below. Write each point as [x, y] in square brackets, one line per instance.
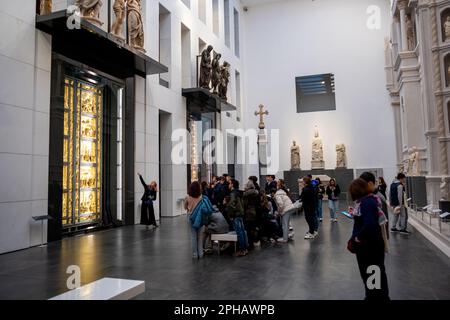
[215, 72]
[224, 80]
[205, 68]
[135, 25]
[90, 10]
[45, 7]
[119, 12]
[295, 156]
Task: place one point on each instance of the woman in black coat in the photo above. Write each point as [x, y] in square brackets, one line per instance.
[147, 210]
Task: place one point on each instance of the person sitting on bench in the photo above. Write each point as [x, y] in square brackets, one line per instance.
[216, 225]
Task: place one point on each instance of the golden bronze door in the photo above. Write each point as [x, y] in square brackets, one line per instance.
[82, 169]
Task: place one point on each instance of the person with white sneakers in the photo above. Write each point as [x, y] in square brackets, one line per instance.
[285, 209]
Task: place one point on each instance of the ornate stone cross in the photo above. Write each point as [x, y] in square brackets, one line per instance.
[261, 114]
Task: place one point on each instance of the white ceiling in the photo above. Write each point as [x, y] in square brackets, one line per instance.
[251, 3]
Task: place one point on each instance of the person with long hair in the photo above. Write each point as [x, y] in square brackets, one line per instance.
[285, 209]
[147, 209]
[333, 192]
[382, 186]
[367, 239]
[320, 193]
[234, 211]
[198, 208]
[309, 201]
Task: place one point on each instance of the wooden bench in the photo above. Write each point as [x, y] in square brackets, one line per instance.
[225, 237]
[105, 289]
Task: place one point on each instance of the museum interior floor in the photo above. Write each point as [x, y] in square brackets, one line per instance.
[318, 269]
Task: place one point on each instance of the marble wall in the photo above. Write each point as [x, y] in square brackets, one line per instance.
[25, 61]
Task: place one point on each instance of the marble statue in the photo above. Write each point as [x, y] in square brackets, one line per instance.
[341, 156]
[216, 71]
[224, 80]
[90, 10]
[295, 156]
[414, 162]
[410, 34]
[445, 192]
[45, 7]
[119, 12]
[205, 68]
[317, 151]
[447, 28]
[261, 113]
[135, 25]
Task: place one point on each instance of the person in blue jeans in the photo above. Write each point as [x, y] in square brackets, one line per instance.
[320, 193]
[333, 192]
[234, 210]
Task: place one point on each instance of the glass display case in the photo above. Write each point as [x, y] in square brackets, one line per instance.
[82, 172]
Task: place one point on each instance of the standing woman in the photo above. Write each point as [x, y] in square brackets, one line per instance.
[285, 208]
[147, 210]
[192, 200]
[382, 187]
[309, 201]
[367, 239]
[333, 192]
[320, 193]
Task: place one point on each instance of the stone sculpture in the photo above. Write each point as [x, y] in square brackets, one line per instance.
[216, 72]
[295, 156]
[135, 25]
[119, 12]
[45, 7]
[410, 34]
[445, 192]
[341, 156]
[90, 10]
[205, 68]
[414, 162]
[447, 28]
[317, 152]
[224, 80]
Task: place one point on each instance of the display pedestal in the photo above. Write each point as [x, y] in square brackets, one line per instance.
[262, 155]
[317, 165]
[343, 177]
[416, 189]
[444, 205]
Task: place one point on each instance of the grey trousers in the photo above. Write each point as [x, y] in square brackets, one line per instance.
[285, 218]
[400, 219]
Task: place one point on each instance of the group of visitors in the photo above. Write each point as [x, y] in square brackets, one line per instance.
[257, 215]
[254, 214]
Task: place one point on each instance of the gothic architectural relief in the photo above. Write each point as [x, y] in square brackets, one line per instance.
[418, 79]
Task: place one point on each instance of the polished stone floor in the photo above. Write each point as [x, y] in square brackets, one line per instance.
[318, 269]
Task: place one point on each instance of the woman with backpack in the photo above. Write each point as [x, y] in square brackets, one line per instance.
[285, 209]
[198, 208]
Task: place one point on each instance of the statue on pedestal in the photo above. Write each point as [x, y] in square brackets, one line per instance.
[205, 68]
[341, 156]
[317, 152]
[414, 162]
[119, 12]
[45, 7]
[224, 80]
[216, 72]
[447, 28]
[410, 33]
[90, 10]
[295, 156]
[135, 25]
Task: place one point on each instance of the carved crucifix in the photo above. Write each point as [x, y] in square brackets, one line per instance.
[261, 114]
